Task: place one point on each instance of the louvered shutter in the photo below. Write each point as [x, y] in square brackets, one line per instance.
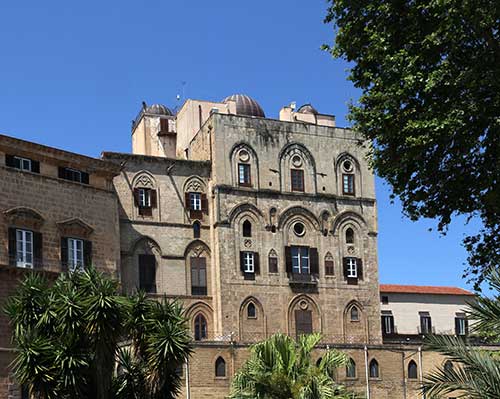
[37, 249]
[136, 197]
[35, 166]
[152, 196]
[12, 246]
[345, 263]
[288, 259]
[62, 172]
[242, 261]
[85, 177]
[359, 264]
[256, 262]
[313, 256]
[64, 254]
[87, 253]
[204, 203]
[9, 160]
[457, 326]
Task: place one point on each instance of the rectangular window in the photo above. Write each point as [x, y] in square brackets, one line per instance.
[22, 163]
[297, 176]
[195, 201]
[144, 198]
[75, 254]
[329, 270]
[248, 262]
[73, 175]
[461, 326]
[303, 322]
[387, 323]
[244, 174]
[273, 264]
[352, 268]
[198, 276]
[348, 184]
[385, 299]
[300, 260]
[425, 323]
[147, 273]
[24, 248]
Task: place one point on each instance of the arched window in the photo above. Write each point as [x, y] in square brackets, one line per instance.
[350, 369]
[196, 229]
[412, 370]
[354, 313]
[374, 369]
[349, 236]
[247, 229]
[251, 311]
[448, 366]
[200, 328]
[220, 367]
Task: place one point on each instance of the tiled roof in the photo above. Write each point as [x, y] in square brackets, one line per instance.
[423, 289]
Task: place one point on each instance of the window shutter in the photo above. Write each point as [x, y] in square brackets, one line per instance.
[35, 166]
[457, 326]
[152, 196]
[345, 262]
[37, 249]
[12, 246]
[313, 255]
[466, 326]
[256, 262]
[62, 173]
[359, 264]
[242, 261]
[64, 254]
[204, 203]
[188, 200]
[136, 197]
[87, 253]
[9, 160]
[288, 259]
[85, 177]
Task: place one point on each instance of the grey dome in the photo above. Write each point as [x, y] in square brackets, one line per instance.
[158, 109]
[307, 109]
[246, 105]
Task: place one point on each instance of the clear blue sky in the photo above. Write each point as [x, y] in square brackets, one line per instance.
[73, 75]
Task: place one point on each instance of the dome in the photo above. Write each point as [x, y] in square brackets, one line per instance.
[246, 105]
[307, 109]
[158, 109]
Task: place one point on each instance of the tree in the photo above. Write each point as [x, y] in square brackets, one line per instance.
[476, 372]
[71, 337]
[280, 368]
[430, 107]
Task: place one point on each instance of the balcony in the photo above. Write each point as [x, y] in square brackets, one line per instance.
[303, 282]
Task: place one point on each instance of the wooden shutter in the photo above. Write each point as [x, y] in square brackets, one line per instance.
[466, 326]
[136, 197]
[288, 259]
[242, 261]
[314, 261]
[64, 254]
[359, 264]
[303, 322]
[9, 160]
[85, 177]
[187, 199]
[345, 263]
[35, 166]
[204, 203]
[152, 198]
[12, 246]
[457, 325]
[62, 173]
[256, 263]
[87, 253]
[37, 249]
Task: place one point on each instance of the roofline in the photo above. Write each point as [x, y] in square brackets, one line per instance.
[424, 290]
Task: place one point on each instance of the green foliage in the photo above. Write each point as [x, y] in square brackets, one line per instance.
[430, 106]
[476, 371]
[280, 368]
[72, 335]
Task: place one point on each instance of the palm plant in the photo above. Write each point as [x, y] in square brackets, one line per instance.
[281, 368]
[476, 371]
[71, 335]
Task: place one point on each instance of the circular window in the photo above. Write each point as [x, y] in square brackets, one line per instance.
[299, 229]
[347, 165]
[244, 155]
[296, 161]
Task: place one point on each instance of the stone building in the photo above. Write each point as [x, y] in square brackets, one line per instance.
[58, 212]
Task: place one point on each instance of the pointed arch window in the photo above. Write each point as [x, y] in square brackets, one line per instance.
[350, 370]
[349, 236]
[354, 312]
[220, 367]
[196, 229]
[412, 370]
[200, 328]
[247, 228]
[198, 275]
[251, 311]
[374, 371]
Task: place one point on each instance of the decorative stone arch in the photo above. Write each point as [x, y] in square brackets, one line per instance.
[306, 303]
[252, 329]
[144, 178]
[74, 227]
[351, 217]
[144, 245]
[356, 171]
[148, 245]
[194, 184]
[306, 163]
[197, 255]
[23, 216]
[196, 247]
[204, 309]
[243, 152]
[293, 211]
[355, 331]
[246, 209]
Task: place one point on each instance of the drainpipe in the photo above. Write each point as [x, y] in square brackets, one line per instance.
[420, 368]
[366, 374]
[188, 393]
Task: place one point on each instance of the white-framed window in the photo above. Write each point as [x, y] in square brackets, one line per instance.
[352, 268]
[144, 198]
[75, 254]
[195, 201]
[300, 260]
[24, 248]
[22, 163]
[248, 262]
